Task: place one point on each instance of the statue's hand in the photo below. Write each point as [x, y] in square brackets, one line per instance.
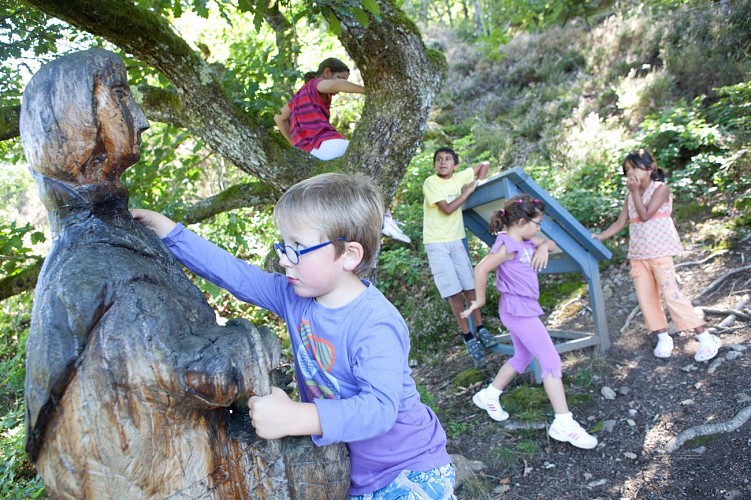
[232, 363]
[217, 389]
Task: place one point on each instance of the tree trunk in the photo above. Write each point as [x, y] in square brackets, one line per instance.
[400, 73]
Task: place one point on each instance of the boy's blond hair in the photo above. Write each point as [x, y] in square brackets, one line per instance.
[338, 205]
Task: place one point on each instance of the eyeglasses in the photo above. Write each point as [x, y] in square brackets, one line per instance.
[294, 255]
[538, 224]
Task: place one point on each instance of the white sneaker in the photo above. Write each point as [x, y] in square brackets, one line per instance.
[493, 407]
[708, 350]
[572, 433]
[391, 229]
[664, 348]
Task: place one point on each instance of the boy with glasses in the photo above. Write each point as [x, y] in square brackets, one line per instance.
[350, 344]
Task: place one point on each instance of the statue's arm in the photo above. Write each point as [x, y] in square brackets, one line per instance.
[65, 311]
[221, 365]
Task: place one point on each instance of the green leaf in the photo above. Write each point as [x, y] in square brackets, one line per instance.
[257, 21]
[361, 16]
[37, 237]
[334, 24]
[244, 5]
[372, 7]
[201, 9]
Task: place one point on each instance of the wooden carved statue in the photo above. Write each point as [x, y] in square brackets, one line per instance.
[132, 389]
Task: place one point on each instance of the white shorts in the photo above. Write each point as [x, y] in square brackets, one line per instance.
[333, 148]
[451, 267]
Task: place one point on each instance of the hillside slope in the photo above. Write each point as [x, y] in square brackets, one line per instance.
[566, 105]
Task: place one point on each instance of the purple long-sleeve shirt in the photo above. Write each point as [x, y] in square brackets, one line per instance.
[351, 362]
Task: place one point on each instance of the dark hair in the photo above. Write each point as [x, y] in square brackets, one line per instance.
[446, 150]
[332, 63]
[644, 160]
[522, 206]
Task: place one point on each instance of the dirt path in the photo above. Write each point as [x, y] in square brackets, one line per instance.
[654, 400]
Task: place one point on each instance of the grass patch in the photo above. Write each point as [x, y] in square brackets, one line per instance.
[467, 378]
[558, 290]
[597, 427]
[476, 488]
[455, 429]
[426, 396]
[527, 402]
[584, 378]
[502, 458]
[527, 447]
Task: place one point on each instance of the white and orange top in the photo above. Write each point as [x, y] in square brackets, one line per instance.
[656, 237]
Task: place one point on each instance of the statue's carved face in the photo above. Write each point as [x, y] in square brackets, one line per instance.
[120, 123]
[79, 122]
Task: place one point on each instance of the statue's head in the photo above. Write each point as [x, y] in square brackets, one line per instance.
[79, 122]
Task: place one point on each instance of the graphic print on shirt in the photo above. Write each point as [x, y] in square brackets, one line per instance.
[316, 357]
[525, 256]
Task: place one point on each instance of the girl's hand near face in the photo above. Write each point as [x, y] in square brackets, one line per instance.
[632, 183]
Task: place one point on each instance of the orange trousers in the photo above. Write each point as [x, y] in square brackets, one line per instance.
[655, 277]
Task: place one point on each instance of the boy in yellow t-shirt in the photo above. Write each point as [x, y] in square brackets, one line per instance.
[444, 239]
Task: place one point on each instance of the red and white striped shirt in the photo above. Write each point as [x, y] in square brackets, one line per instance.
[309, 117]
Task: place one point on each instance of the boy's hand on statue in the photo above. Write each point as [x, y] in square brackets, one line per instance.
[155, 221]
[597, 236]
[272, 415]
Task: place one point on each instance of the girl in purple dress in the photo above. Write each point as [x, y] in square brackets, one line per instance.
[516, 256]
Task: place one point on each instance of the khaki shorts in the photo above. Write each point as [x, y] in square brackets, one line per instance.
[451, 268]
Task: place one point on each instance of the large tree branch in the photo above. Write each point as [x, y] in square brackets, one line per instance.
[25, 280]
[9, 122]
[162, 105]
[234, 197]
[209, 113]
[402, 79]
[239, 196]
[399, 73]
[709, 429]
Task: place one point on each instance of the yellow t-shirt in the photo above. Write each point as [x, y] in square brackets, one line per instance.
[437, 227]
